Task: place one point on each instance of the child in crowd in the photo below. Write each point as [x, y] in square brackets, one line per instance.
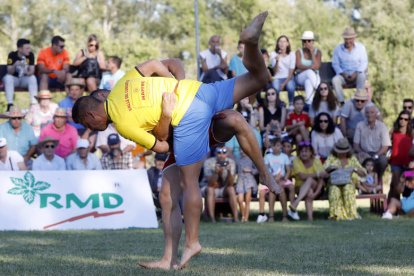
[369, 184]
[279, 166]
[298, 121]
[246, 184]
[406, 204]
[288, 148]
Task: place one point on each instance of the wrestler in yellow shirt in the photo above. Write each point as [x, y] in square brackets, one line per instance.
[134, 104]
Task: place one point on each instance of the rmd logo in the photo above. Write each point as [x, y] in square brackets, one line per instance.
[29, 188]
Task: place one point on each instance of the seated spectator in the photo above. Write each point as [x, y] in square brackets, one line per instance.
[219, 173]
[308, 62]
[20, 72]
[90, 62]
[10, 160]
[236, 66]
[401, 138]
[408, 105]
[155, 176]
[406, 204]
[288, 148]
[369, 184]
[308, 173]
[75, 91]
[115, 158]
[340, 165]
[53, 64]
[246, 184]
[298, 121]
[102, 140]
[372, 140]
[324, 135]
[266, 58]
[114, 74]
[41, 114]
[352, 113]
[213, 62]
[19, 134]
[324, 101]
[350, 62]
[272, 109]
[60, 130]
[273, 131]
[82, 159]
[48, 160]
[245, 108]
[283, 61]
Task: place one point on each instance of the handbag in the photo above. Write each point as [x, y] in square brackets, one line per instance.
[341, 177]
[89, 68]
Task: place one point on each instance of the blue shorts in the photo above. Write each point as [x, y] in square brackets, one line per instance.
[191, 140]
[407, 204]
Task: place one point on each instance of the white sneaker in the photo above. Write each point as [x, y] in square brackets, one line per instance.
[293, 215]
[387, 215]
[261, 219]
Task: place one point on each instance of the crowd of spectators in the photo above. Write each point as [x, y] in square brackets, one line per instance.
[319, 143]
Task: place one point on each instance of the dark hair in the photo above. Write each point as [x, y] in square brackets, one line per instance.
[93, 37]
[56, 39]
[82, 105]
[274, 141]
[369, 159]
[21, 42]
[278, 103]
[298, 98]
[117, 60]
[264, 51]
[307, 146]
[408, 101]
[95, 93]
[277, 44]
[396, 127]
[331, 125]
[331, 98]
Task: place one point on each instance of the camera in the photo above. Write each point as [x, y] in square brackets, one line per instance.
[223, 163]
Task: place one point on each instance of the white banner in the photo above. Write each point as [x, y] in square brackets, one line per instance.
[42, 200]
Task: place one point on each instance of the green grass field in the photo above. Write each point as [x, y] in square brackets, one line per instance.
[369, 246]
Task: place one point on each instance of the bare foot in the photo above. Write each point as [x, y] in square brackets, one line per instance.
[189, 252]
[161, 264]
[252, 32]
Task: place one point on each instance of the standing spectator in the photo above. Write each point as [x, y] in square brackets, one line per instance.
[19, 134]
[10, 160]
[114, 74]
[53, 63]
[282, 61]
[115, 159]
[20, 72]
[41, 114]
[372, 140]
[48, 160]
[406, 204]
[219, 173]
[308, 62]
[309, 174]
[213, 62]
[298, 121]
[60, 130]
[324, 135]
[75, 91]
[401, 138]
[324, 101]
[155, 176]
[236, 66]
[341, 164]
[408, 106]
[82, 159]
[90, 61]
[272, 109]
[350, 62]
[352, 113]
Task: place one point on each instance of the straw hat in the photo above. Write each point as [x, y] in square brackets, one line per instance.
[308, 35]
[76, 81]
[48, 139]
[349, 32]
[360, 94]
[3, 142]
[44, 94]
[14, 112]
[60, 112]
[342, 146]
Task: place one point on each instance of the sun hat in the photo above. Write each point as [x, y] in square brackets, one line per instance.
[14, 112]
[48, 139]
[360, 94]
[308, 35]
[76, 81]
[44, 94]
[349, 32]
[342, 146]
[60, 112]
[82, 143]
[3, 142]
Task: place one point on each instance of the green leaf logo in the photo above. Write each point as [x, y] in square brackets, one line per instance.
[28, 187]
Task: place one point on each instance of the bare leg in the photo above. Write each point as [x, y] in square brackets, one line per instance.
[192, 210]
[283, 204]
[309, 208]
[247, 205]
[211, 203]
[262, 195]
[272, 199]
[44, 82]
[91, 84]
[291, 189]
[394, 206]
[304, 190]
[171, 217]
[240, 199]
[233, 202]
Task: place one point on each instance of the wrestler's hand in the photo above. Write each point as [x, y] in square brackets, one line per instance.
[168, 104]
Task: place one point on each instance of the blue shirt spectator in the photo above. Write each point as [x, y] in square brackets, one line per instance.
[347, 61]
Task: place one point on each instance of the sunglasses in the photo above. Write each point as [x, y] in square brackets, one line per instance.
[92, 45]
[222, 151]
[323, 121]
[360, 101]
[307, 40]
[324, 88]
[61, 46]
[405, 119]
[49, 146]
[17, 118]
[407, 107]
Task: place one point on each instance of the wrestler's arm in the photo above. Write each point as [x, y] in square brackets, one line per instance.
[165, 68]
[162, 130]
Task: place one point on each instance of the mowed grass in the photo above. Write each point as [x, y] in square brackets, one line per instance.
[362, 247]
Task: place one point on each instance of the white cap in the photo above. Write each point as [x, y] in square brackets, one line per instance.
[308, 35]
[82, 143]
[3, 142]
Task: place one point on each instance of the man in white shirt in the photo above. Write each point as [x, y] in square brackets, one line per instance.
[82, 159]
[48, 160]
[109, 79]
[213, 62]
[10, 160]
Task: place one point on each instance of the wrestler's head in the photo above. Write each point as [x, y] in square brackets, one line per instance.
[90, 112]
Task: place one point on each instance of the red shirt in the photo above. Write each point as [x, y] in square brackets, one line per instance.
[293, 116]
[401, 144]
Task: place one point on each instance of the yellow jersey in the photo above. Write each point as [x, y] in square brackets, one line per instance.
[134, 104]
